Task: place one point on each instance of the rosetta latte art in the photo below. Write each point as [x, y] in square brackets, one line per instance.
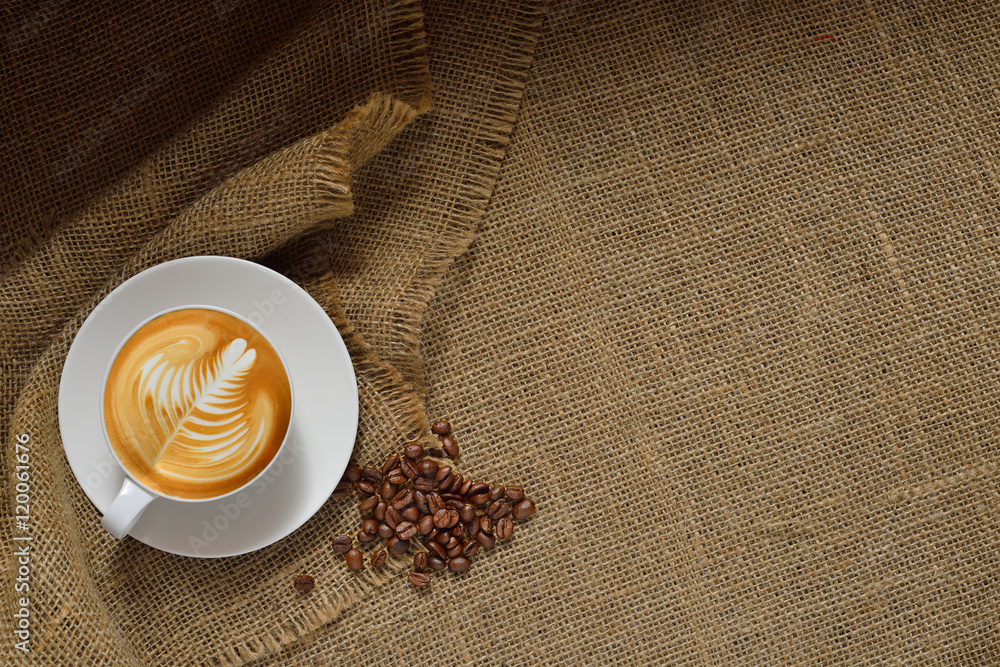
[196, 404]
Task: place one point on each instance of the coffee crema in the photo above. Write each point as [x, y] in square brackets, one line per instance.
[196, 403]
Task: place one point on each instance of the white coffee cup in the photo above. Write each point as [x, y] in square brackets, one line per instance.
[134, 495]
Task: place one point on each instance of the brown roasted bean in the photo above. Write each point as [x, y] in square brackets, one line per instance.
[478, 488]
[442, 537]
[402, 498]
[524, 509]
[436, 452]
[304, 583]
[344, 489]
[355, 561]
[451, 543]
[467, 512]
[410, 513]
[365, 488]
[353, 473]
[397, 477]
[384, 531]
[515, 494]
[427, 468]
[420, 561]
[440, 475]
[480, 500]
[485, 525]
[441, 428]
[446, 483]
[390, 464]
[388, 490]
[379, 512]
[466, 485]
[378, 558]
[450, 447]
[426, 525]
[419, 579]
[424, 484]
[453, 503]
[393, 518]
[368, 503]
[459, 564]
[456, 550]
[413, 451]
[470, 548]
[436, 564]
[372, 475]
[420, 501]
[406, 531]
[498, 509]
[488, 541]
[370, 526]
[435, 548]
[441, 518]
[458, 530]
[342, 543]
[409, 468]
[497, 492]
[365, 538]
[435, 503]
[504, 528]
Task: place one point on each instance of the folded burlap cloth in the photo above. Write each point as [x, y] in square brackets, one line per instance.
[725, 303]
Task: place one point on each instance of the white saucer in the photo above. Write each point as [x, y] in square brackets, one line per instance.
[323, 427]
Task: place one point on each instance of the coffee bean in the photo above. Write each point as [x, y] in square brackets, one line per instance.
[426, 525]
[441, 518]
[366, 488]
[378, 558]
[456, 550]
[388, 490]
[466, 485]
[472, 527]
[524, 509]
[449, 446]
[453, 518]
[379, 513]
[480, 500]
[459, 564]
[446, 483]
[420, 501]
[467, 512]
[399, 546]
[458, 530]
[498, 509]
[504, 528]
[470, 548]
[304, 583]
[479, 488]
[406, 530]
[437, 549]
[451, 543]
[355, 561]
[370, 526]
[390, 464]
[410, 513]
[409, 468]
[441, 427]
[342, 543]
[402, 498]
[366, 538]
[344, 489]
[397, 477]
[353, 473]
[515, 494]
[485, 525]
[488, 541]
[420, 579]
[443, 537]
[393, 518]
[456, 484]
[384, 531]
[428, 468]
[420, 561]
[497, 492]
[435, 452]
[372, 475]
[436, 564]
[435, 503]
[454, 503]
[414, 451]
[441, 474]
[368, 503]
[424, 484]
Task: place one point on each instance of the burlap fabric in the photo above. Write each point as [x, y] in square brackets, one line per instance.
[729, 317]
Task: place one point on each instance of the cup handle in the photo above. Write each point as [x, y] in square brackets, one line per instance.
[126, 509]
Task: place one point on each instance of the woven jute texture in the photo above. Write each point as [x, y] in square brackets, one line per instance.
[715, 281]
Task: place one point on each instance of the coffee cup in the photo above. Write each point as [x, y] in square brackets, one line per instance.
[196, 405]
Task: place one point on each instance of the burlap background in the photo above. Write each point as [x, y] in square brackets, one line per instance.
[729, 316]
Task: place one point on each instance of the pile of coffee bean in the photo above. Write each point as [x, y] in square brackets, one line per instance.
[418, 502]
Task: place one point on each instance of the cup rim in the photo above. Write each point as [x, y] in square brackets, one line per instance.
[114, 357]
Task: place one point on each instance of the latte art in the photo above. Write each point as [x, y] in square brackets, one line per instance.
[196, 403]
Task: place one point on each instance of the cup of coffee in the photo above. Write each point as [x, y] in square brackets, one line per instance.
[196, 404]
